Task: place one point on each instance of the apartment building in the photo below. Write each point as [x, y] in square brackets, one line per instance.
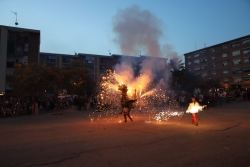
[228, 62]
[17, 46]
[97, 64]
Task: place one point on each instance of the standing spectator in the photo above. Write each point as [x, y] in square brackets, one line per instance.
[182, 101]
[33, 108]
[36, 108]
[79, 103]
[220, 96]
[237, 96]
[87, 103]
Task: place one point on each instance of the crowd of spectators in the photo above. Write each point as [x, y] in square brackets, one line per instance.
[13, 107]
[215, 98]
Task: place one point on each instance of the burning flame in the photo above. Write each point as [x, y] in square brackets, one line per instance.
[152, 103]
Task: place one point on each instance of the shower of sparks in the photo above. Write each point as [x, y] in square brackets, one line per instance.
[152, 103]
[165, 115]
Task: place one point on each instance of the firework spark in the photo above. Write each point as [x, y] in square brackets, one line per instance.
[154, 104]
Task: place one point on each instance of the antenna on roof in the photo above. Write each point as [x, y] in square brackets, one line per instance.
[109, 53]
[16, 23]
[75, 53]
[204, 45]
[195, 46]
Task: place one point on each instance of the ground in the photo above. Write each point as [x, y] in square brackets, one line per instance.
[72, 139]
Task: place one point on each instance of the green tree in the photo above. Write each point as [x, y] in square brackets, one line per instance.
[178, 73]
[32, 79]
[81, 81]
[26, 80]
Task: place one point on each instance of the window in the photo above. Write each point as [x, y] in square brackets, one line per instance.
[90, 58]
[224, 54]
[246, 41]
[235, 44]
[225, 80]
[236, 70]
[203, 67]
[212, 57]
[246, 59]
[202, 51]
[236, 53]
[203, 60]
[213, 72]
[103, 67]
[236, 61]
[66, 60]
[197, 74]
[92, 74]
[12, 36]
[204, 74]
[196, 55]
[24, 60]
[189, 62]
[103, 60]
[26, 48]
[50, 59]
[189, 57]
[224, 63]
[246, 78]
[11, 47]
[237, 79]
[90, 66]
[225, 71]
[212, 65]
[246, 51]
[19, 49]
[196, 68]
[212, 50]
[197, 61]
[246, 69]
[224, 46]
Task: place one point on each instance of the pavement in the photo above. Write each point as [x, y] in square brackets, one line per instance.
[91, 139]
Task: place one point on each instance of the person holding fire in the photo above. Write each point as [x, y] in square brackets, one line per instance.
[194, 108]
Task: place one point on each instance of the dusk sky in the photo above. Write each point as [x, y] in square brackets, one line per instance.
[87, 26]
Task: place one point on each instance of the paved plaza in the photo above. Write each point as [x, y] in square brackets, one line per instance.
[73, 139]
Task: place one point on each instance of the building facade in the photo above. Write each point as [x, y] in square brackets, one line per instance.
[97, 64]
[17, 46]
[228, 62]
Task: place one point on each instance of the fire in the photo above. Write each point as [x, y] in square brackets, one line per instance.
[150, 102]
[195, 109]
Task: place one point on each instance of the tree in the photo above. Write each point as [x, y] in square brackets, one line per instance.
[178, 73]
[81, 81]
[32, 79]
[26, 80]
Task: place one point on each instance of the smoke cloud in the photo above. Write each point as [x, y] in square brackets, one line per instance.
[139, 30]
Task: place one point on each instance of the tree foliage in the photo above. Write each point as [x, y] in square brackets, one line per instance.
[32, 79]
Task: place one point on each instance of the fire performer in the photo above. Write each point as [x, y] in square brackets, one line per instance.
[127, 108]
[126, 104]
[194, 108]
